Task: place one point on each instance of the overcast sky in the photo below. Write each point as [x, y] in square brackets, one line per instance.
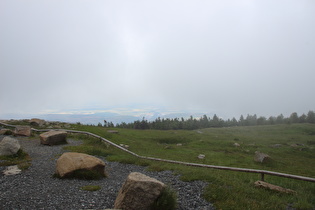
[221, 56]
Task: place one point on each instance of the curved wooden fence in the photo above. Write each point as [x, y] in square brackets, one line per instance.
[262, 172]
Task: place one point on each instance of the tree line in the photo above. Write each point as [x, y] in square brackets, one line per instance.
[207, 122]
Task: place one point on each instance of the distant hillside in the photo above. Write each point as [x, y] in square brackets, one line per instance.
[96, 118]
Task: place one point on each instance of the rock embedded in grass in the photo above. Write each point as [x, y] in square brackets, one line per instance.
[113, 131]
[201, 156]
[124, 146]
[261, 157]
[276, 145]
[236, 144]
[272, 187]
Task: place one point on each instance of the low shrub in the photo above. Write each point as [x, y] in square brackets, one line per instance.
[166, 201]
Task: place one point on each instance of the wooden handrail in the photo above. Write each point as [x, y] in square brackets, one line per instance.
[262, 172]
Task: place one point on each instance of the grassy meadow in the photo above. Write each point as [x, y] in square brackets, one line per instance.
[290, 146]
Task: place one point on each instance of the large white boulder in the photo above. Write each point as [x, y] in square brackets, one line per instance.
[9, 146]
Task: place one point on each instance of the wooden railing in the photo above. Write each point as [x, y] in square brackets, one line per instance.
[262, 172]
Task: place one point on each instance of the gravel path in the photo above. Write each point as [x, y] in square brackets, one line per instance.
[36, 189]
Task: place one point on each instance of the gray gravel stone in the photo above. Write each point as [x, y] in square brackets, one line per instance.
[35, 188]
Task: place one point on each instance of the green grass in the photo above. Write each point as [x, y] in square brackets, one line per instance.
[91, 188]
[21, 159]
[227, 189]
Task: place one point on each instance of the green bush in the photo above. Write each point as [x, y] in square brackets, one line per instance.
[166, 201]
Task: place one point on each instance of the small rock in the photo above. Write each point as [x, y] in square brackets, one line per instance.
[236, 144]
[179, 145]
[276, 145]
[113, 131]
[273, 187]
[261, 157]
[124, 146]
[201, 156]
[12, 170]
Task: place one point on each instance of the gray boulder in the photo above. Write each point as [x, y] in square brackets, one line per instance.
[53, 137]
[9, 146]
[138, 192]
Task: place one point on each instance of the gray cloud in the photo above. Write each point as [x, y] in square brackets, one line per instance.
[226, 57]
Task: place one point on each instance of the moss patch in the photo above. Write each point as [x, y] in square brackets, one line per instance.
[91, 188]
